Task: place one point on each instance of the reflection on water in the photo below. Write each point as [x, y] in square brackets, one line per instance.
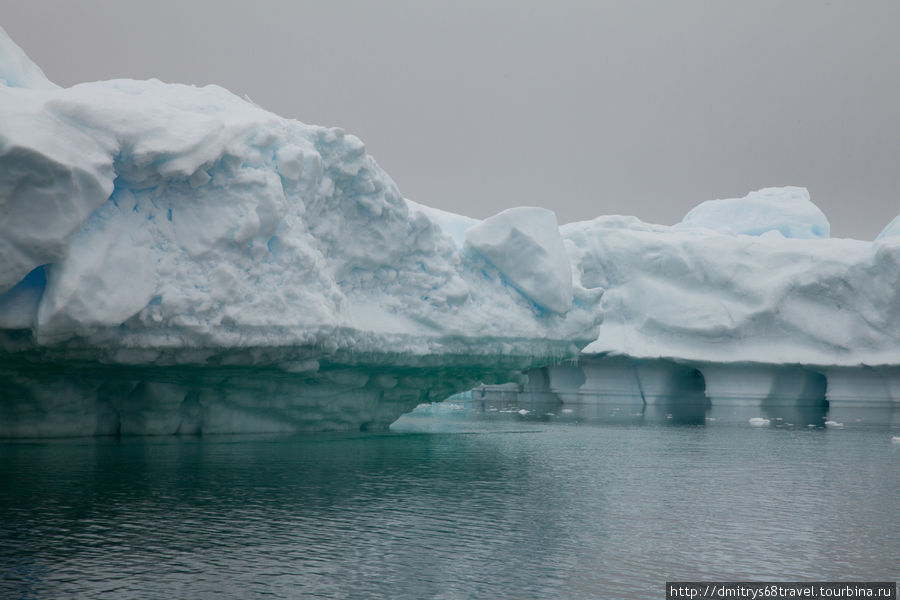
[506, 502]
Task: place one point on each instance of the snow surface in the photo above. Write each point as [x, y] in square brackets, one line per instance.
[786, 210]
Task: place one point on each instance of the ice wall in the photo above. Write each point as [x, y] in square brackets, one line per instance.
[621, 389]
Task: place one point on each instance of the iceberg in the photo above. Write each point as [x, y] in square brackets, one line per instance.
[745, 302]
[177, 259]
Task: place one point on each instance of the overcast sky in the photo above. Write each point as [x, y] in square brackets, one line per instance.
[587, 108]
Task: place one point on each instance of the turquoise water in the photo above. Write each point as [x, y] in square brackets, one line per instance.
[454, 503]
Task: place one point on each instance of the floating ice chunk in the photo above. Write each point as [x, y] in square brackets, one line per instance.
[892, 230]
[895, 439]
[833, 424]
[787, 210]
[524, 244]
[523, 411]
[759, 421]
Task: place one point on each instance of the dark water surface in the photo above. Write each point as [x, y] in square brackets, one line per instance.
[474, 507]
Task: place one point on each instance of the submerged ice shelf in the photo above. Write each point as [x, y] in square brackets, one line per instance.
[178, 260]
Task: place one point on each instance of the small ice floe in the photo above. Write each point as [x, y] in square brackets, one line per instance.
[567, 411]
[710, 418]
[895, 439]
[549, 415]
[759, 422]
[833, 424]
[524, 412]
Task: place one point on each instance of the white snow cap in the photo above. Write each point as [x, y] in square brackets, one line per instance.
[524, 244]
[787, 210]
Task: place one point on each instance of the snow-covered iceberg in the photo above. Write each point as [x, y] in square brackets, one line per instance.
[176, 259]
[189, 238]
[746, 300]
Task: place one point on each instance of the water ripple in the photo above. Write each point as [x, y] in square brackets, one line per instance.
[558, 511]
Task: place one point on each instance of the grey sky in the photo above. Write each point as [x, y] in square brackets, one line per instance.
[587, 108]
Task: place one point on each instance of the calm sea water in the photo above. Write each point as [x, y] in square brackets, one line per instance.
[455, 503]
